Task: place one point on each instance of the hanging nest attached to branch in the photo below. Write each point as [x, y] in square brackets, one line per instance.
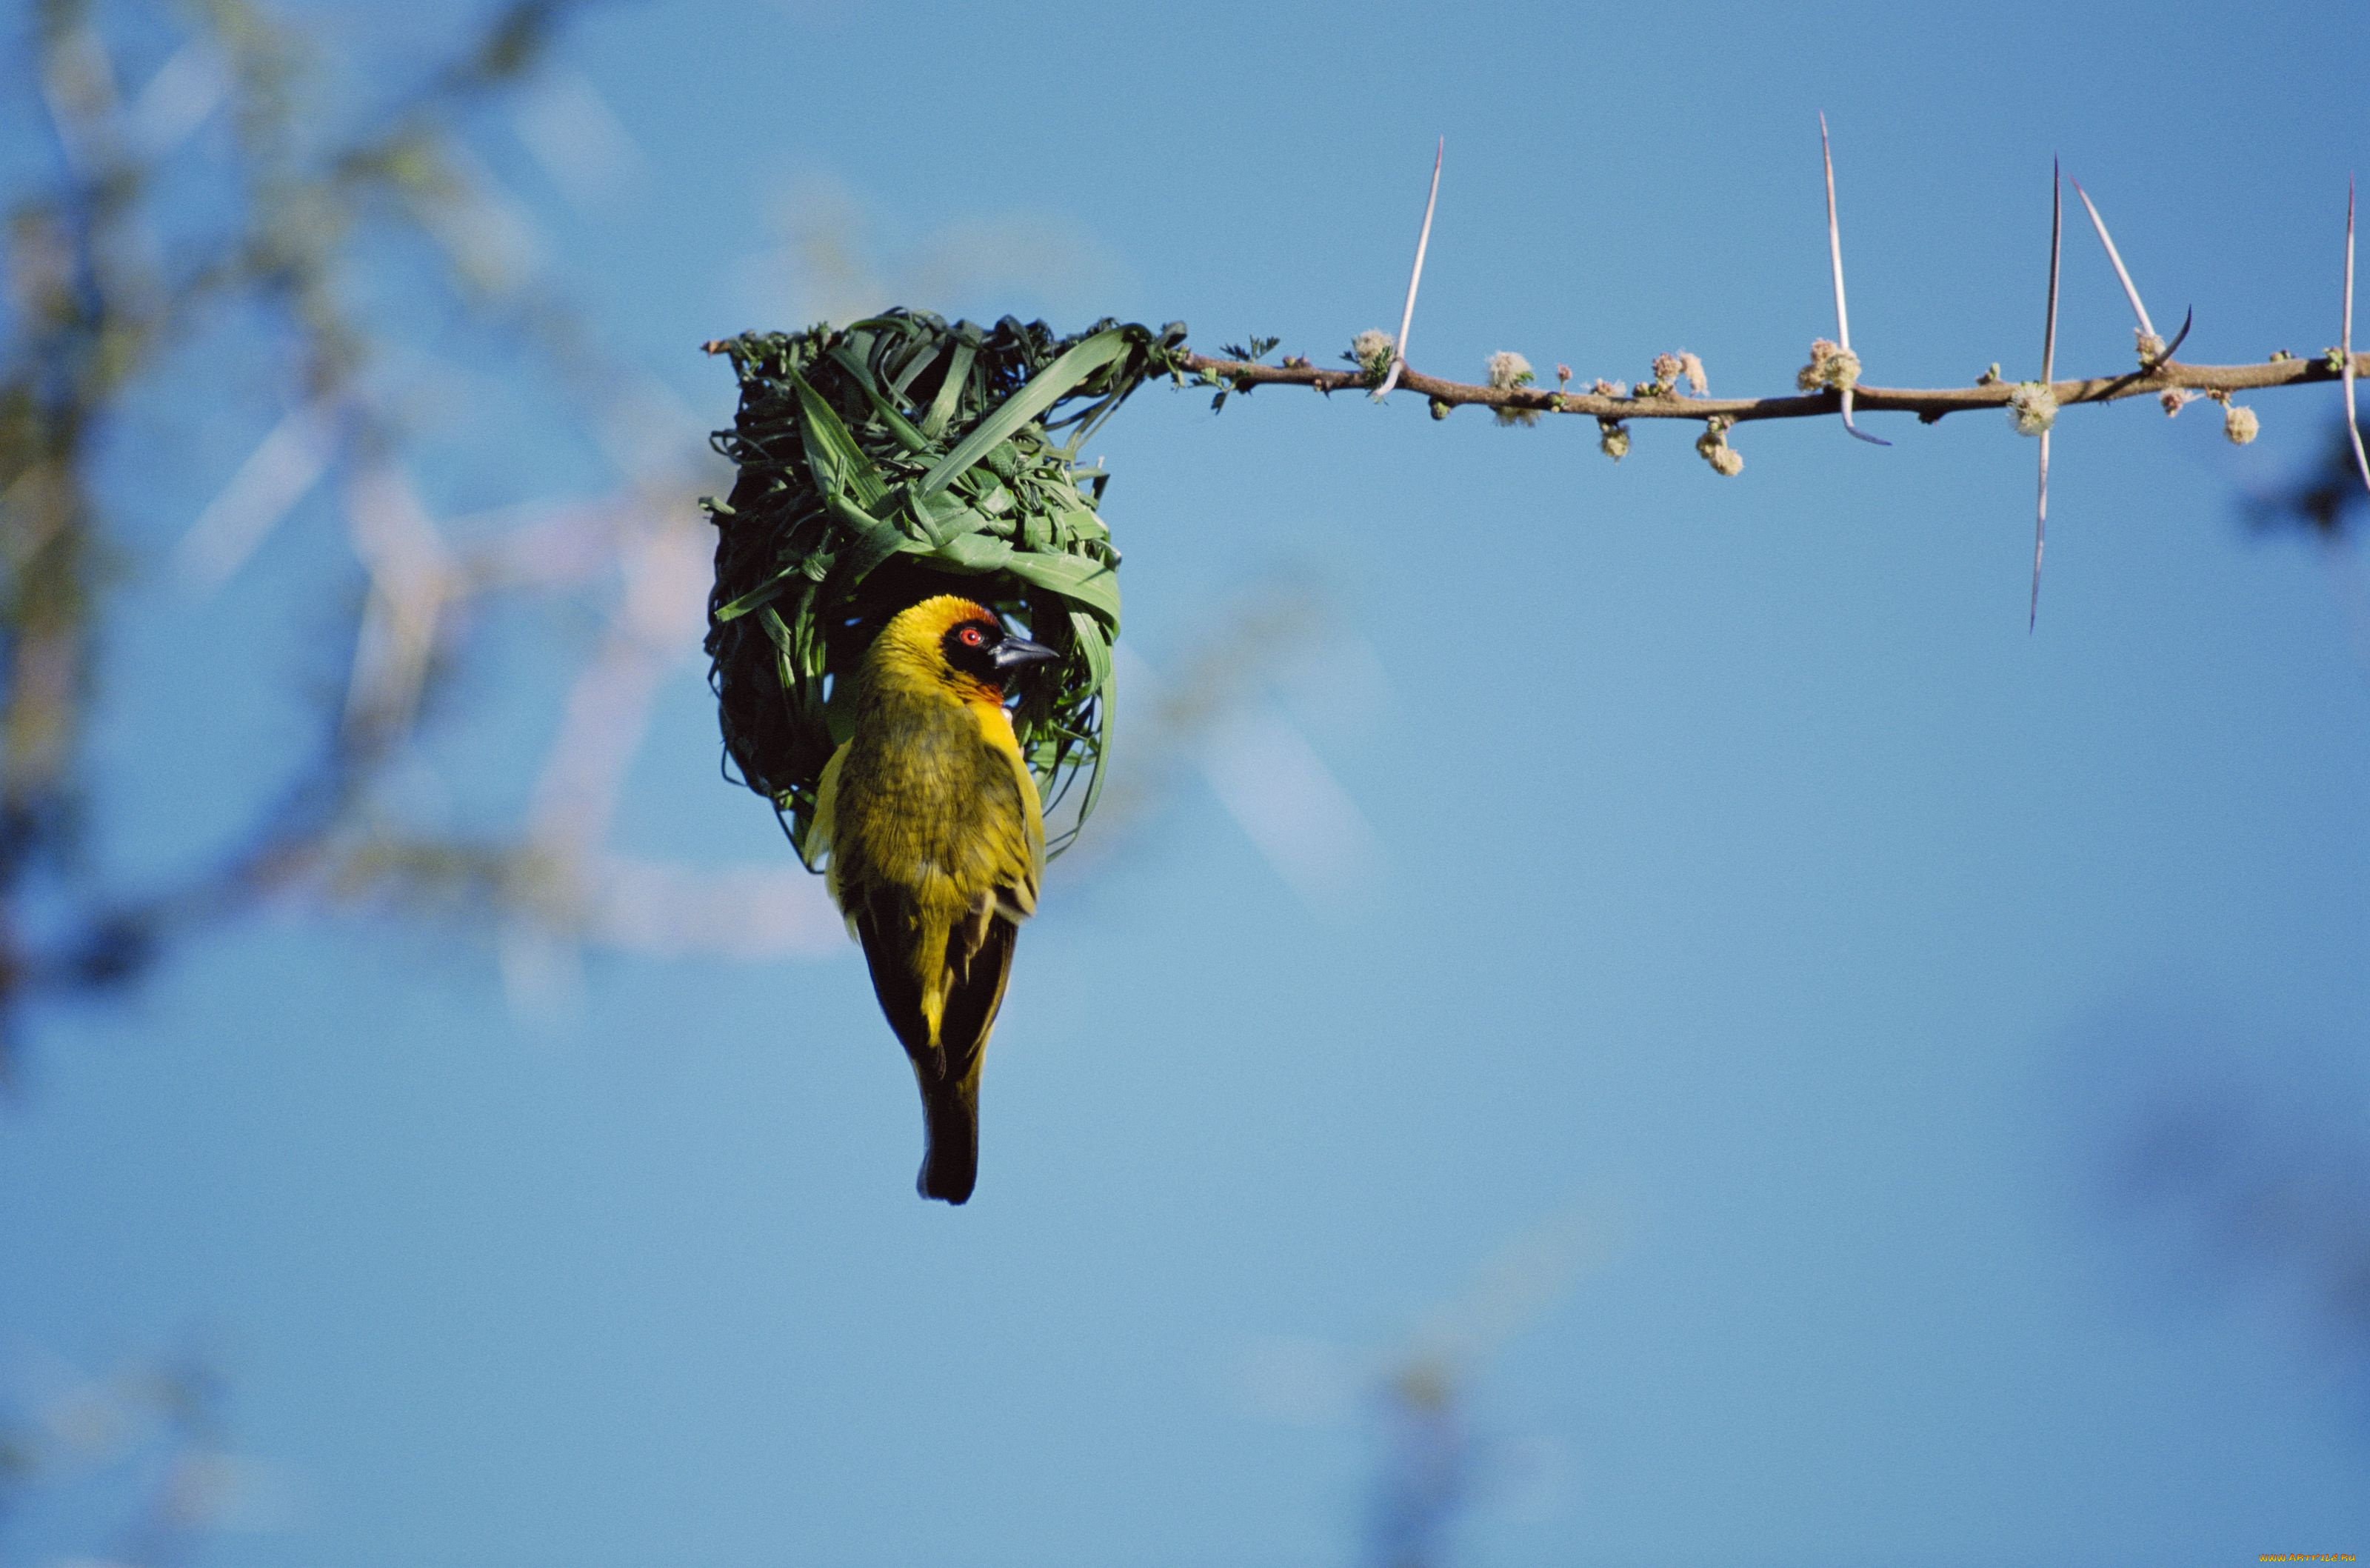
[894, 460]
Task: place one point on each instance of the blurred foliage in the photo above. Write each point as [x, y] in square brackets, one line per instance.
[1175, 714]
[2262, 1187]
[2326, 499]
[1423, 1485]
[108, 273]
[896, 459]
[136, 1457]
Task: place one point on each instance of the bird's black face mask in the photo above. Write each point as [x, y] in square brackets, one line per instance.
[982, 649]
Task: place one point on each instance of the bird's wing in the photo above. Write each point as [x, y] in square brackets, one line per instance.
[974, 994]
[1017, 815]
[885, 922]
[821, 830]
[976, 960]
[976, 953]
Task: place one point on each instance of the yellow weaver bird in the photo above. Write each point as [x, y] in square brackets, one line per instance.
[937, 841]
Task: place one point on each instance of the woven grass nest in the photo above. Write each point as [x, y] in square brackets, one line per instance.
[898, 458]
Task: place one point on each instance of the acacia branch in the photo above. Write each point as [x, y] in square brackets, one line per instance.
[1928, 404]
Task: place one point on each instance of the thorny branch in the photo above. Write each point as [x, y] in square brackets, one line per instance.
[1830, 382]
[1928, 404]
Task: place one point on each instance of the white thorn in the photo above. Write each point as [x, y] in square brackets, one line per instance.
[2131, 291]
[1407, 317]
[2345, 346]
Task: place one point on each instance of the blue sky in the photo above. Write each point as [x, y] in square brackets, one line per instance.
[1758, 923]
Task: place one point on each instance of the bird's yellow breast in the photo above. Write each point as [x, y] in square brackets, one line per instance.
[930, 799]
[927, 798]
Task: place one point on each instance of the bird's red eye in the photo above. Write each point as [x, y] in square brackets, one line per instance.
[971, 637]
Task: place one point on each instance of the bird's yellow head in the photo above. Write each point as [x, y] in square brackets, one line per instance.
[955, 642]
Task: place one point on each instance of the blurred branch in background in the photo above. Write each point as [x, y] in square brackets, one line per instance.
[2236, 1170]
[136, 245]
[2233, 1167]
[832, 262]
[127, 1468]
[2326, 500]
[1433, 1466]
[1434, 1462]
[1239, 710]
[2275, 1206]
[1426, 1473]
[2327, 503]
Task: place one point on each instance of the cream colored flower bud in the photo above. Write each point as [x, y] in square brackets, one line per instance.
[1692, 368]
[1831, 365]
[2032, 407]
[2240, 424]
[1613, 439]
[1712, 444]
[1508, 368]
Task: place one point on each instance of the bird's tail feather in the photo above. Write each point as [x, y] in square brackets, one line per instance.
[950, 1162]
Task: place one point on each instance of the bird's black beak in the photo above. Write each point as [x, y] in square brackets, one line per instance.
[1019, 653]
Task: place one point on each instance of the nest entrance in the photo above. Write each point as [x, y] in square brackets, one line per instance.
[895, 459]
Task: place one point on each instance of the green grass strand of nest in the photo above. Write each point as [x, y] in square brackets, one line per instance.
[896, 458]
